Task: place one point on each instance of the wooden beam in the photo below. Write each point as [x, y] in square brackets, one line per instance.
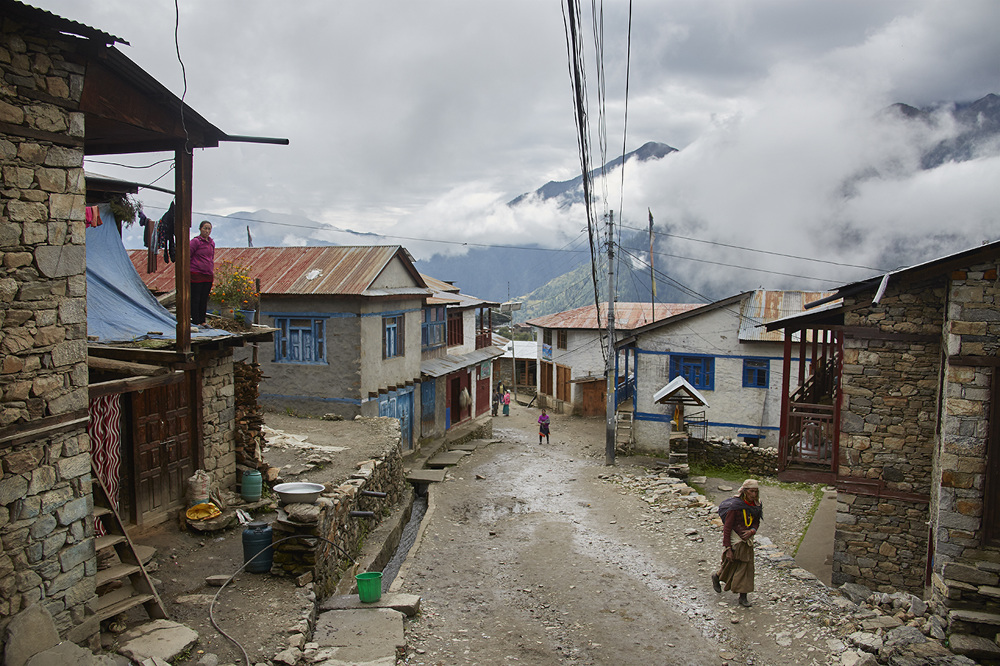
[20, 433]
[872, 333]
[976, 361]
[130, 384]
[140, 355]
[53, 137]
[183, 174]
[125, 367]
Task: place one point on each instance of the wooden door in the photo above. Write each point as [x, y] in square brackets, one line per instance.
[162, 450]
[594, 398]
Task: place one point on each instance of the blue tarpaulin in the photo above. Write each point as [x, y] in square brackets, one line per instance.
[119, 306]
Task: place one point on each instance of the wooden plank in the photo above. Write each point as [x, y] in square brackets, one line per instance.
[105, 576]
[54, 137]
[131, 384]
[137, 355]
[127, 368]
[29, 431]
[122, 606]
[108, 541]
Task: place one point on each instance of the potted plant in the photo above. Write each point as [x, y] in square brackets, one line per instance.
[234, 289]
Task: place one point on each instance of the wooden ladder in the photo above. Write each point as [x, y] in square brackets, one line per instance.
[677, 454]
[127, 567]
[623, 432]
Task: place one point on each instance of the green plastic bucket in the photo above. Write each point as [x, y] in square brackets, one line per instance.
[369, 586]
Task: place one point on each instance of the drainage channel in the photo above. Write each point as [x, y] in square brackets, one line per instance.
[406, 539]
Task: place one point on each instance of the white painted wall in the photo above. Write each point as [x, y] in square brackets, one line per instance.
[737, 410]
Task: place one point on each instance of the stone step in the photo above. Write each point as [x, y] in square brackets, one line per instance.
[408, 604]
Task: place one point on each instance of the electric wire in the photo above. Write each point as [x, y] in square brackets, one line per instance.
[177, 47]
[129, 166]
[628, 69]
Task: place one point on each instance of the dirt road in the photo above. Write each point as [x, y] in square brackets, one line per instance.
[531, 554]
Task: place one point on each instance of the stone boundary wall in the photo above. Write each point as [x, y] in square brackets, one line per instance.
[330, 517]
[723, 452]
[880, 542]
[46, 497]
[218, 398]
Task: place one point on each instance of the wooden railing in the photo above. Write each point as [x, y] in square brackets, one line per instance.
[484, 339]
[810, 433]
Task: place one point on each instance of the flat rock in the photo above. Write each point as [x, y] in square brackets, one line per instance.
[360, 636]
[447, 459]
[425, 476]
[408, 604]
[69, 654]
[31, 631]
[975, 647]
[162, 639]
[973, 617]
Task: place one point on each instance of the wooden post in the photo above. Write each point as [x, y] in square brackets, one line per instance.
[183, 167]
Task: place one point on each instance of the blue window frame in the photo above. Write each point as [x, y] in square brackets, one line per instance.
[300, 340]
[756, 373]
[432, 330]
[392, 336]
[697, 369]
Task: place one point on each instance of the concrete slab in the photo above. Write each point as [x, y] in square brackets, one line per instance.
[447, 459]
[467, 446]
[425, 476]
[160, 638]
[360, 636]
[815, 553]
[408, 604]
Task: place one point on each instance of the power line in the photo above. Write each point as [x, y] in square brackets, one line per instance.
[750, 249]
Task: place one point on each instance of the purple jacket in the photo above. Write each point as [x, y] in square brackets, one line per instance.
[203, 255]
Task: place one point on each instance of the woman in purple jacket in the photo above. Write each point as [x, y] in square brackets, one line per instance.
[202, 271]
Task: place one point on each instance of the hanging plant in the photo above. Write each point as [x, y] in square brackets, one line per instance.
[125, 209]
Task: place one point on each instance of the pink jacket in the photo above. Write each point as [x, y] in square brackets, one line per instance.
[202, 255]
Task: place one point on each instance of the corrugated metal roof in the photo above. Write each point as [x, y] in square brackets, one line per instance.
[764, 306]
[438, 285]
[522, 349]
[23, 11]
[446, 293]
[341, 270]
[438, 367]
[627, 316]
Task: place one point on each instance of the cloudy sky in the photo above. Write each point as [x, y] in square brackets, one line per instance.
[422, 119]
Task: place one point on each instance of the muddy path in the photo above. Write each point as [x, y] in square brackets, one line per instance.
[533, 554]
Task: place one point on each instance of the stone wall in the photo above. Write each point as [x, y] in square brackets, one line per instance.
[965, 566]
[756, 461]
[330, 517]
[219, 416]
[889, 412]
[45, 491]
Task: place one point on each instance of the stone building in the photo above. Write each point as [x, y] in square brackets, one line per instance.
[67, 93]
[905, 367]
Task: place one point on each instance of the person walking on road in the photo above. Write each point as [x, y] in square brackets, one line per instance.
[741, 516]
[506, 403]
[543, 427]
[496, 401]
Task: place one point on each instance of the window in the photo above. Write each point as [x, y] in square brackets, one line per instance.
[299, 340]
[547, 337]
[392, 338]
[562, 336]
[455, 329]
[432, 330]
[756, 372]
[698, 370]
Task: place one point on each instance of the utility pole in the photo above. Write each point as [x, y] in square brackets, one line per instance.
[609, 364]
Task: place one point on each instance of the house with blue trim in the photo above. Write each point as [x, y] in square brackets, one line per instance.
[723, 351]
[348, 322]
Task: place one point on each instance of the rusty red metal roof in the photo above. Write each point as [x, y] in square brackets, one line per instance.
[627, 316]
[341, 270]
[764, 306]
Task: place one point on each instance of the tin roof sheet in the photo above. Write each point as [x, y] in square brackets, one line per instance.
[627, 316]
[437, 367]
[334, 269]
[764, 306]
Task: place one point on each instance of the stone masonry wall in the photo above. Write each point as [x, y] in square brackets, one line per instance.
[965, 569]
[330, 517]
[890, 388]
[219, 415]
[756, 461]
[45, 492]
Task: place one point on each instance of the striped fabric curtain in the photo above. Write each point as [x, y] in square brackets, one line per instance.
[105, 446]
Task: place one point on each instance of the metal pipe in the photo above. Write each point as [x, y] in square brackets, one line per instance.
[361, 514]
[373, 493]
